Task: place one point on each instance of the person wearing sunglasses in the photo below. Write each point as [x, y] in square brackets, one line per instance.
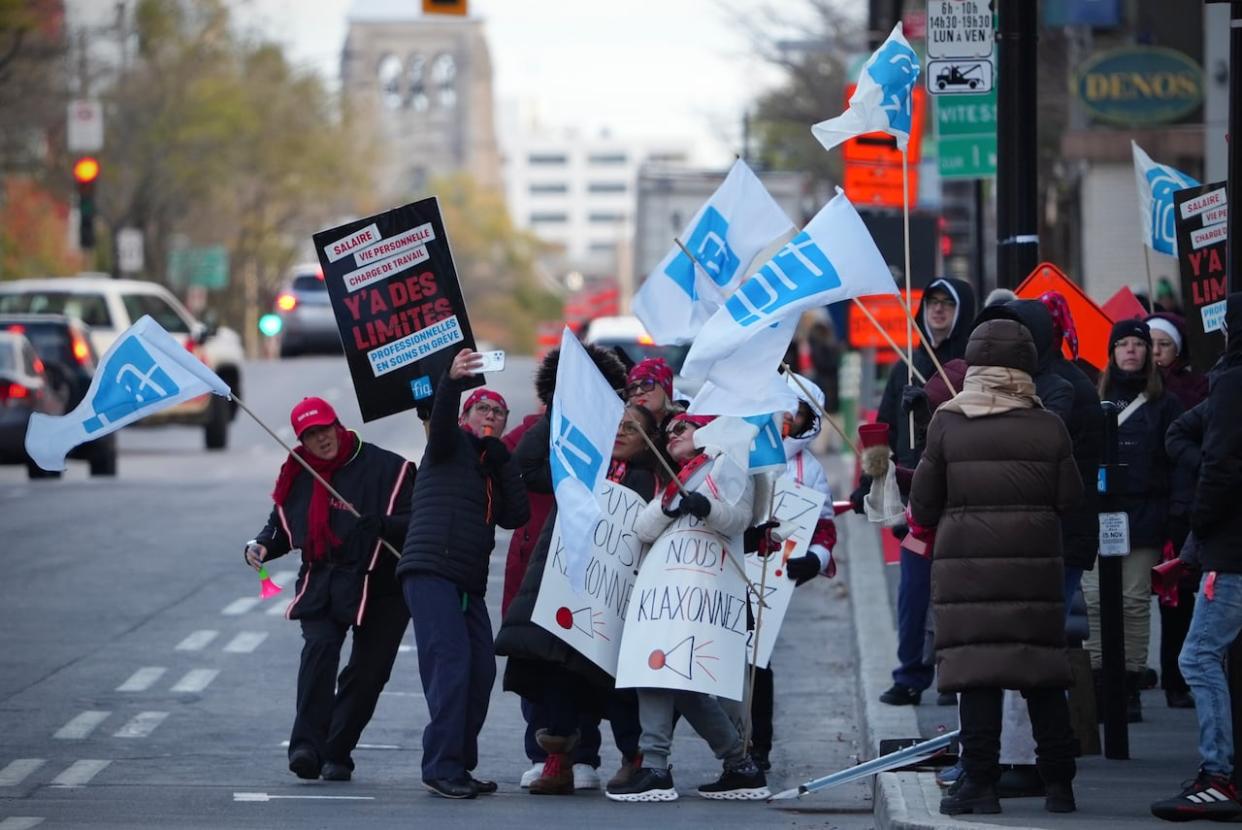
[650, 385]
[715, 719]
[468, 484]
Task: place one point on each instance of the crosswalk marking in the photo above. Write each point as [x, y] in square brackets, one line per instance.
[283, 578]
[246, 642]
[269, 797]
[79, 773]
[277, 609]
[285, 744]
[240, 606]
[81, 725]
[16, 772]
[141, 725]
[142, 679]
[20, 822]
[195, 680]
[404, 649]
[198, 640]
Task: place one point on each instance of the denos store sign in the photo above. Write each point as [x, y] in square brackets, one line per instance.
[1140, 85]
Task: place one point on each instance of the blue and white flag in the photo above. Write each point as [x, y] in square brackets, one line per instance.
[882, 101]
[1156, 185]
[145, 370]
[747, 384]
[586, 412]
[767, 451]
[739, 220]
[833, 258]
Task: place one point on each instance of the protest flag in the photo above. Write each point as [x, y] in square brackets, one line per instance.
[696, 276]
[1156, 185]
[586, 412]
[144, 371]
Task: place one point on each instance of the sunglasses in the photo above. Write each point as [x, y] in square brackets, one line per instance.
[639, 387]
[488, 409]
[679, 428]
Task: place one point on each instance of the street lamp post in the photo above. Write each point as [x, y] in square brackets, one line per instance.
[1017, 203]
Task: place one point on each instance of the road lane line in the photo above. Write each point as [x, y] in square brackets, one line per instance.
[245, 642]
[81, 725]
[198, 640]
[240, 606]
[402, 694]
[141, 725]
[142, 679]
[16, 772]
[79, 773]
[267, 797]
[196, 680]
[285, 745]
[403, 649]
[283, 578]
[277, 609]
[20, 822]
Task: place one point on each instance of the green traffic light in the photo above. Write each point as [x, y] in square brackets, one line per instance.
[270, 324]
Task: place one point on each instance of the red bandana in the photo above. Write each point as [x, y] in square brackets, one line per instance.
[1062, 319]
[654, 369]
[319, 536]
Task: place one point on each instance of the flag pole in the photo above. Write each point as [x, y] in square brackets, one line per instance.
[309, 469]
[820, 411]
[930, 351]
[905, 215]
[1151, 284]
[891, 342]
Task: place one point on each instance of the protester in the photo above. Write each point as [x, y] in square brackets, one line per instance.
[1216, 523]
[468, 485]
[716, 720]
[650, 384]
[346, 581]
[999, 296]
[1132, 383]
[996, 471]
[1054, 392]
[944, 320]
[1169, 352]
[568, 687]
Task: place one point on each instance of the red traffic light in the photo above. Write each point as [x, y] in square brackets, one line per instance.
[86, 170]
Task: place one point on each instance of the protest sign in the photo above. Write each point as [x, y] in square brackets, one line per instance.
[686, 623]
[797, 509]
[1202, 230]
[398, 305]
[591, 622]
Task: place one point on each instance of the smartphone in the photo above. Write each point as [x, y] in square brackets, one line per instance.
[492, 362]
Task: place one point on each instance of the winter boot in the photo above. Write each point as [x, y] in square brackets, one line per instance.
[1134, 703]
[1059, 797]
[967, 796]
[557, 777]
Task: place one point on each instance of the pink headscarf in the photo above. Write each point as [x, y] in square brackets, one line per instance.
[1062, 319]
[483, 394]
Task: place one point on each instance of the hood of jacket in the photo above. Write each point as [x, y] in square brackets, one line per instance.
[954, 345]
[1004, 343]
[1037, 320]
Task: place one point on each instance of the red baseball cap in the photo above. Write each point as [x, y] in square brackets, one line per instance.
[311, 412]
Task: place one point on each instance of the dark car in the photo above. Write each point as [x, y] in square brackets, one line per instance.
[307, 323]
[69, 360]
[25, 387]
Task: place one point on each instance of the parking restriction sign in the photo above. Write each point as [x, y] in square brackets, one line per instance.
[959, 29]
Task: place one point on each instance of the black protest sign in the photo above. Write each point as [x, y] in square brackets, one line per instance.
[1200, 214]
[398, 305]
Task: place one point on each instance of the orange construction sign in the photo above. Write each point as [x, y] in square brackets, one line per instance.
[887, 312]
[1090, 320]
[872, 174]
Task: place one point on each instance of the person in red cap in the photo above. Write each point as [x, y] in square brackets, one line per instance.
[347, 580]
[650, 385]
[468, 484]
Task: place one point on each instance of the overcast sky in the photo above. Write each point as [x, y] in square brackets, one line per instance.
[648, 68]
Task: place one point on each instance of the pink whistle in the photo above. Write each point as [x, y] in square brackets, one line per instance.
[267, 588]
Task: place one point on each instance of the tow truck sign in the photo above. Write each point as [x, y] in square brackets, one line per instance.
[959, 77]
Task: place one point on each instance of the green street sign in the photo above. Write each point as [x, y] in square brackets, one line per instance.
[966, 129]
[207, 266]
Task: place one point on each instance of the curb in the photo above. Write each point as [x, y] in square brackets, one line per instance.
[903, 800]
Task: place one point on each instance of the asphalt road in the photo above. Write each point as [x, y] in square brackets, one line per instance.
[144, 684]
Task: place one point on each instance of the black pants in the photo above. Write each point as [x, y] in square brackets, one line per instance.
[761, 711]
[570, 704]
[980, 713]
[1174, 625]
[332, 711]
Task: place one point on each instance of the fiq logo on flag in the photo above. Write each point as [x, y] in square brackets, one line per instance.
[138, 383]
[798, 270]
[767, 450]
[895, 68]
[574, 456]
[709, 245]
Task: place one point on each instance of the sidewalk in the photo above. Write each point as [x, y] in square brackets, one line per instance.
[1110, 794]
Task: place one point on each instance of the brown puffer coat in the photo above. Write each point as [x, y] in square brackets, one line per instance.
[993, 485]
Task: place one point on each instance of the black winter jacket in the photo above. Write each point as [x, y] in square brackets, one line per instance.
[1055, 392]
[459, 500]
[1148, 480]
[1215, 517]
[377, 483]
[1080, 525]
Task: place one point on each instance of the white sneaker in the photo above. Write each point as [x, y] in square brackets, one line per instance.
[585, 777]
[531, 774]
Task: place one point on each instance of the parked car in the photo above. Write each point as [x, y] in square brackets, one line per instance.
[68, 360]
[307, 322]
[627, 335]
[24, 388]
[111, 306]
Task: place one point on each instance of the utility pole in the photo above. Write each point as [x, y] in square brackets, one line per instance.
[1232, 259]
[1017, 192]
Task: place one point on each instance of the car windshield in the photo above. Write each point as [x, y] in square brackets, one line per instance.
[91, 309]
[309, 282]
[140, 304]
[635, 351]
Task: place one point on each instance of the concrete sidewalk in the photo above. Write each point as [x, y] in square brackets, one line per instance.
[1110, 794]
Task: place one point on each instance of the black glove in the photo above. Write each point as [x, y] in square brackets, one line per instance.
[1178, 530]
[671, 512]
[367, 528]
[900, 532]
[856, 497]
[696, 504]
[803, 569]
[758, 539]
[913, 398]
[495, 454]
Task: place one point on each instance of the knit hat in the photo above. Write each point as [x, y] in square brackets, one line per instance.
[1166, 326]
[311, 412]
[655, 369]
[1129, 328]
[696, 420]
[483, 394]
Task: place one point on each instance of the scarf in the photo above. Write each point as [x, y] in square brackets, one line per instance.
[692, 466]
[319, 536]
[1062, 319]
[617, 470]
[993, 390]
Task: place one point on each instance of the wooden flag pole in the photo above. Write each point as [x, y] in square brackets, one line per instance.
[1151, 283]
[891, 342]
[823, 413]
[905, 214]
[930, 351]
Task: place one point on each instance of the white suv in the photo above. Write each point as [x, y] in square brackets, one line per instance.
[111, 306]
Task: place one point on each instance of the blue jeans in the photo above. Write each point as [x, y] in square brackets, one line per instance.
[1213, 628]
[913, 601]
[1073, 580]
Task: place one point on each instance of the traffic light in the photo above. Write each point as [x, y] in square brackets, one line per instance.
[85, 172]
[457, 7]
